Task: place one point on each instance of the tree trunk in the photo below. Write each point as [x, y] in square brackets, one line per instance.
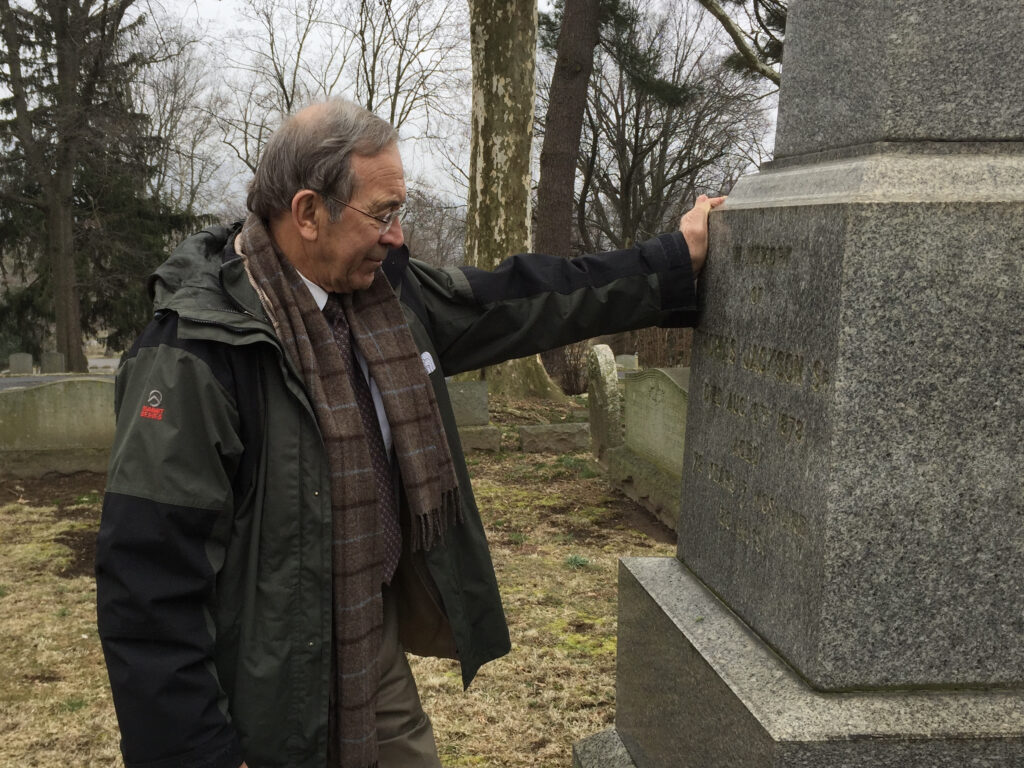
[503, 42]
[60, 241]
[574, 62]
[61, 263]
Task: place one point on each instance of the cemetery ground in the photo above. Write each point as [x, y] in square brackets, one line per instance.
[556, 531]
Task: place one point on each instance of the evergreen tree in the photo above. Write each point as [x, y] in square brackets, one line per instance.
[79, 232]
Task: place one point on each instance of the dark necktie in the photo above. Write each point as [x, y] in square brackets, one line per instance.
[387, 505]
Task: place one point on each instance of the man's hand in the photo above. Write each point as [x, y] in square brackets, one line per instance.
[694, 226]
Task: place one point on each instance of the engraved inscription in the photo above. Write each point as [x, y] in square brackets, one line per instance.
[751, 514]
[787, 367]
[761, 416]
[720, 348]
[760, 255]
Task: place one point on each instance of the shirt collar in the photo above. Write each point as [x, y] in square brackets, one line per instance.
[319, 294]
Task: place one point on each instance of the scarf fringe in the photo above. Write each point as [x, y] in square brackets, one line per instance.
[430, 529]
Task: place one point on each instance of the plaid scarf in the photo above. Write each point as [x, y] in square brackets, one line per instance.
[382, 335]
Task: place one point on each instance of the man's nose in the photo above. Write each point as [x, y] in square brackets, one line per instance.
[393, 237]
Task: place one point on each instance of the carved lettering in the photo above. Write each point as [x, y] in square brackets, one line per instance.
[787, 367]
[820, 376]
[747, 450]
[720, 348]
[759, 255]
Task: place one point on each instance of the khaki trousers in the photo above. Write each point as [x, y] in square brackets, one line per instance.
[405, 737]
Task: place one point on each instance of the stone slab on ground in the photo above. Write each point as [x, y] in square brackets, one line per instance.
[19, 364]
[486, 438]
[554, 438]
[697, 689]
[469, 402]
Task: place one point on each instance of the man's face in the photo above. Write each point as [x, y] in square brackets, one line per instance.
[350, 250]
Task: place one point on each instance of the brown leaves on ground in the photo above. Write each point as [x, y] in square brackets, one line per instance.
[556, 532]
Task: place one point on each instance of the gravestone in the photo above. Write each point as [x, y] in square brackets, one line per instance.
[469, 402]
[604, 400]
[469, 405]
[62, 426]
[20, 364]
[848, 583]
[51, 362]
[648, 466]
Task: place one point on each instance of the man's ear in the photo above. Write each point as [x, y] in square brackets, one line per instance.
[304, 214]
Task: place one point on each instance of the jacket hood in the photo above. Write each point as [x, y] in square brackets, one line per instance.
[204, 275]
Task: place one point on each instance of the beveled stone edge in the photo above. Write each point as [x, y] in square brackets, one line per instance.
[789, 709]
[886, 177]
[603, 749]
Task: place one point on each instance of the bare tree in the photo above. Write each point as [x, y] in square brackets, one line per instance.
[401, 59]
[410, 60]
[177, 94]
[289, 54]
[650, 150]
[434, 228]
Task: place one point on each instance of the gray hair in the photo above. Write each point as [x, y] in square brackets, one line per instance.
[313, 150]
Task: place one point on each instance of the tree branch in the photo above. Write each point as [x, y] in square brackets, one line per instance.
[744, 49]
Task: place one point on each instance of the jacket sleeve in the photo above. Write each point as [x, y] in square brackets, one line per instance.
[166, 518]
[531, 302]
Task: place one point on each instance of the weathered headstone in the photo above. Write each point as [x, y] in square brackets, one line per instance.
[604, 400]
[648, 466]
[469, 402]
[470, 405]
[20, 363]
[625, 364]
[848, 588]
[63, 426]
[51, 362]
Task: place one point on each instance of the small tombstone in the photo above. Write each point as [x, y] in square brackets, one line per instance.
[655, 417]
[604, 400]
[20, 363]
[469, 402]
[52, 362]
[626, 364]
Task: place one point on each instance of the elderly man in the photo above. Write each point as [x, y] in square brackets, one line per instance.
[287, 509]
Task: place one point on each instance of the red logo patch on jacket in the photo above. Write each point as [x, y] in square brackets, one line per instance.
[152, 409]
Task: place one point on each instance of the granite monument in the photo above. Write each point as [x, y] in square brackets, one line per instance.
[848, 589]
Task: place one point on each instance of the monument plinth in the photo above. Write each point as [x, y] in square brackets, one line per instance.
[848, 585]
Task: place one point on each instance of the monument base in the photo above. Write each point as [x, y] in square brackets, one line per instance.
[696, 688]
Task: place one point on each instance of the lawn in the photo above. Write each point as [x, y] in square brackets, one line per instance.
[556, 531]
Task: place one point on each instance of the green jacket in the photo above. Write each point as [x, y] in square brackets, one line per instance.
[213, 558]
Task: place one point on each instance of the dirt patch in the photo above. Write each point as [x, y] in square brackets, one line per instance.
[82, 560]
[53, 489]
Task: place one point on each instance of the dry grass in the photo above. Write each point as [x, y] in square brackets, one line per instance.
[55, 706]
[556, 532]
